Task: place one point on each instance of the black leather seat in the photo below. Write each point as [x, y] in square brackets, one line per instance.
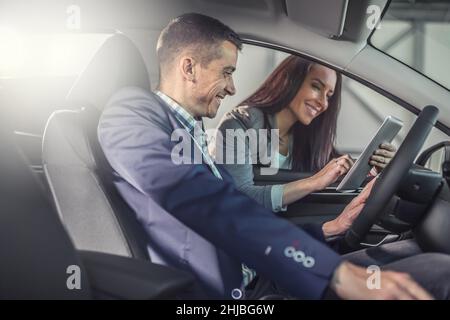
[79, 177]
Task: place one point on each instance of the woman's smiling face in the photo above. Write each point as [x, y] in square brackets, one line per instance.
[314, 94]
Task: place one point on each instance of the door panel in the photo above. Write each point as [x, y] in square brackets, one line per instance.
[317, 207]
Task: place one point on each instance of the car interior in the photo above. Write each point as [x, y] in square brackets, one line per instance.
[59, 65]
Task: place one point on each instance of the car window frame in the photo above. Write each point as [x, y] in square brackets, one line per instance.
[402, 103]
[369, 42]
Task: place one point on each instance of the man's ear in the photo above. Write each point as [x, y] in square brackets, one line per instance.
[187, 67]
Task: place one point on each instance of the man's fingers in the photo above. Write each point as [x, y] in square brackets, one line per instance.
[365, 194]
[415, 290]
[362, 197]
[404, 282]
[369, 186]
[394, 287]
[400, 293]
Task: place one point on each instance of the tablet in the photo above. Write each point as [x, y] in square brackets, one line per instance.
[358, 172]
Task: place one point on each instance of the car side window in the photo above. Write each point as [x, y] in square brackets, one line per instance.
[362, 108]
[435, 161]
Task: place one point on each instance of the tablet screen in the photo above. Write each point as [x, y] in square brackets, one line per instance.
[358, 172]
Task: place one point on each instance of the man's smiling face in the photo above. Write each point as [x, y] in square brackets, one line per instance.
[215, 81]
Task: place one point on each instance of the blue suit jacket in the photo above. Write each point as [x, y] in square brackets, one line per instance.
[196, 221]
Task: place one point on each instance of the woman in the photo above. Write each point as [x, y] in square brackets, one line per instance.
[301, 99]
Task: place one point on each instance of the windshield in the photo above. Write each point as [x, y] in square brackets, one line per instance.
[417, 32]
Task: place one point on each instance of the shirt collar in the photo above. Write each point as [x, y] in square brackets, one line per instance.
[185, 117]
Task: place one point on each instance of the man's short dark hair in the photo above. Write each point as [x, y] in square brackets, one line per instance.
[200, 33]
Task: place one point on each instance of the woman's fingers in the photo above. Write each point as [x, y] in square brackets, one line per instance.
[378, 164]
[334, 169]
[383, 155]
[379, 161]
[346, 158]
[345, 162]
[388, 147]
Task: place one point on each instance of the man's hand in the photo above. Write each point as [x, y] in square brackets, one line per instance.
[382, 156]
[344, 221]
[350, 282]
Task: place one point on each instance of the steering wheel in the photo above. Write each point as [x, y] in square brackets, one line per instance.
[389, 180]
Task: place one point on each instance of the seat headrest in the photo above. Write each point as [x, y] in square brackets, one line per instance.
[118, 63]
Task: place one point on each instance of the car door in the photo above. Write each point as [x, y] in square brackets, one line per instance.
[362, 112]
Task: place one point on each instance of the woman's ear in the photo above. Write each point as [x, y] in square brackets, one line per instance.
[187, 68]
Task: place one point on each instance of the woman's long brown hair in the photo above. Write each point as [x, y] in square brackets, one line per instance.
[314, 143]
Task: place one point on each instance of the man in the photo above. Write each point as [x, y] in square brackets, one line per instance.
[195, 218]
